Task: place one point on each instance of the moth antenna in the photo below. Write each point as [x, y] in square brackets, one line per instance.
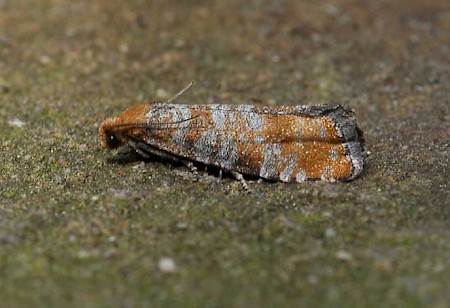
[170, 100]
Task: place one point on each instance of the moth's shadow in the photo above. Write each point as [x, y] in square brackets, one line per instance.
[122, 159]
[125, 157]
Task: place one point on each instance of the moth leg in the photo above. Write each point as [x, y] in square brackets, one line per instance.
[142, 153]
[124, 150]
[191, 167]
[147, 151]
[238, 176]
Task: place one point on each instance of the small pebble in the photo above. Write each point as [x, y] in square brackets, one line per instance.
[16, 123]
[45, 60]
[344, 255]
[313, 279]
[330, 232]
[182, 225]
[162, 94]
[123, 48]
[167, 265]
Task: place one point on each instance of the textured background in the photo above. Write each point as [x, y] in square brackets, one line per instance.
[79, 230]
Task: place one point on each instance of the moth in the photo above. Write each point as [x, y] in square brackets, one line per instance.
[282, 143]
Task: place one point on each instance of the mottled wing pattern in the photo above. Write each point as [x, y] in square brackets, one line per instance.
[289, 143]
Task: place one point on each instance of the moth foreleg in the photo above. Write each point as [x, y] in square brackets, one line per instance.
[147, 151]
[143, 154]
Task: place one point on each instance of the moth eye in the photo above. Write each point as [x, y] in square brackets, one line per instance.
[113, 141]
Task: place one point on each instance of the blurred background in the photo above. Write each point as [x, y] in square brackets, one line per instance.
[79, 230]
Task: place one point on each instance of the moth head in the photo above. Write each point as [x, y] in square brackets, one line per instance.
[109, 134]
[113, 132]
